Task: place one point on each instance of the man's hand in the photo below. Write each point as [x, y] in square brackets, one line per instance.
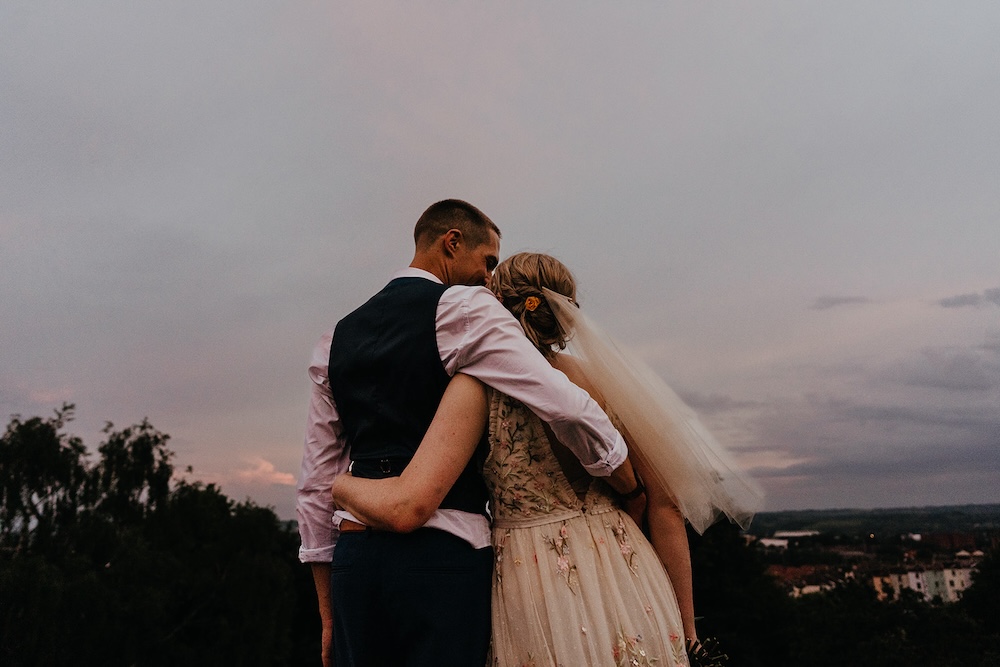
[636, 508]
[321, 578]
[626, 481]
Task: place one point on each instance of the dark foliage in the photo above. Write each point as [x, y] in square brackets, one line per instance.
[736, 601]
[757, 624]
[980, 601]
[884, 523]
[113, 563]
[849, 625]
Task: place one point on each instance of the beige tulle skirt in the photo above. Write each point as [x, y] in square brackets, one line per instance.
[579, 589]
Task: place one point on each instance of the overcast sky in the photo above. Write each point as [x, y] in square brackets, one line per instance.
[790, 210]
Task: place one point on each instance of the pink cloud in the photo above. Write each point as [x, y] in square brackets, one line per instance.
[51, 395]
[264, 473]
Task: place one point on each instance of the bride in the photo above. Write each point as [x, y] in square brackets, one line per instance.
[576, 582]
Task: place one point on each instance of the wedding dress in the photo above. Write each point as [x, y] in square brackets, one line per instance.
[576, 583]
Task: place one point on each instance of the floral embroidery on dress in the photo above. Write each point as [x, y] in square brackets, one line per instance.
[679, 651]
[526, 479]
[629, 652]
[563, 565]
[625, 546]
[498, 547]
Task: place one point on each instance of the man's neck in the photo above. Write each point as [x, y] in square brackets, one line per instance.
[431, 265]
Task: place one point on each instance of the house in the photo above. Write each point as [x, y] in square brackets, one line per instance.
[945, 584]
[771, 543]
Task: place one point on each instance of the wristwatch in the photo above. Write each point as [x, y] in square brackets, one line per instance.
[637, 491]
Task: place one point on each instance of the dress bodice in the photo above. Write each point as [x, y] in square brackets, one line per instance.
[525, 480]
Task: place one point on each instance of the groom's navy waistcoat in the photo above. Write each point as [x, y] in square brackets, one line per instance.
[387, 379]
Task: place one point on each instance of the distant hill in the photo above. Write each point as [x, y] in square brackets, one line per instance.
[891, 521]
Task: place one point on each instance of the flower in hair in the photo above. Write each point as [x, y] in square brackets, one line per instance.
[531, 303]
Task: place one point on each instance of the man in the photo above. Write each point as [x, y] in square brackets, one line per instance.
[422, 598]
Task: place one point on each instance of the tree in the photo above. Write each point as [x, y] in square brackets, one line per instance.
[849, 625]
[979, 602]
[43, 480]
[737, 601]
[980, 599]
[111, 563]
[133, 476]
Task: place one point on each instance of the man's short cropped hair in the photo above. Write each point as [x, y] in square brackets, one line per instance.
[453, 214]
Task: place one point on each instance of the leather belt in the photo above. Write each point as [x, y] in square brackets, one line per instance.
[348, 526]
[379, 468]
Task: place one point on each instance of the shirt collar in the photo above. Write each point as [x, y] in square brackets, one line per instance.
[411, 272]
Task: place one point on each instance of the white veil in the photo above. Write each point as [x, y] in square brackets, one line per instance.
[662, 432]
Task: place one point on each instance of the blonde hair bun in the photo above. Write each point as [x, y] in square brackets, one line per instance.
[518, 282]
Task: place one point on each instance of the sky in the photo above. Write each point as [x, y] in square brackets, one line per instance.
[790, 210]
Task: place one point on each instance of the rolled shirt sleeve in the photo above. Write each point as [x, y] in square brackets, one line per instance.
[325, 456]
[479, 337]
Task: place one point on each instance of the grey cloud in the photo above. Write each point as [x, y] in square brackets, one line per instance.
[960, 370]
[973, 299]
[849, 451]
[992, 343]
[910, 416]
[947, 470]
[826, 302]
[896, 462]
[714, 403]
[961, 300]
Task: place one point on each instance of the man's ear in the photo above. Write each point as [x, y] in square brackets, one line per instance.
[452, 239]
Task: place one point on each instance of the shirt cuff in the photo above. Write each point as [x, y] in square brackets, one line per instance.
[321, 555]
[612, 461]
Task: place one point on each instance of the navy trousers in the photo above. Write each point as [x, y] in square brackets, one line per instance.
[419, 599]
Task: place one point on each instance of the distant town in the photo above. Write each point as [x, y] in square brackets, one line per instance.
[930, 551]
